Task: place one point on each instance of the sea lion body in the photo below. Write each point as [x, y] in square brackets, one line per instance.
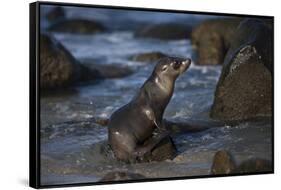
[135, 122]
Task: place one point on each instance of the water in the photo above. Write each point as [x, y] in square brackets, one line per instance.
[125, 19]
[71, 145]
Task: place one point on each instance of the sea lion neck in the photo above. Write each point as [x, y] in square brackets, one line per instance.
[157, 94]
[163, 82]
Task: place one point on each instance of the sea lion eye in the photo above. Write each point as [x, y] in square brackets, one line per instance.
[164, 68]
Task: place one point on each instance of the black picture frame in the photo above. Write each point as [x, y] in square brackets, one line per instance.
[34, 92]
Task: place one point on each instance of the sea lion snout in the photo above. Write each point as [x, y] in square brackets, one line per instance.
[181, 64]
[185, 65]
[186, 62]
[171, 67]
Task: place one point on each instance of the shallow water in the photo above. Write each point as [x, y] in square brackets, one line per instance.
[72, 145]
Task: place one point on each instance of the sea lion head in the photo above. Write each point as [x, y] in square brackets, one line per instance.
[171, 67]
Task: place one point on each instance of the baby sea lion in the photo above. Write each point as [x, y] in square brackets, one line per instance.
[135, 122]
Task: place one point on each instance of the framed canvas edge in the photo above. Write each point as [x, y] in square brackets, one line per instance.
[150, 9]
[34, 123]
[34, 96]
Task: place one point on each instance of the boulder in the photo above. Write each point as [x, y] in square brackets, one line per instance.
[77, 26]
[254, 165]
[244, 90]
[58, 68]
[182, 125]
[148, 57]
[224, 163]
[56, 14]
[169, 31]
[211, 40]
[102, 71]
[163, 151]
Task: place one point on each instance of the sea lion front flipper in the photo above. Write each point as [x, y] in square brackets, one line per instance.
[148, 146]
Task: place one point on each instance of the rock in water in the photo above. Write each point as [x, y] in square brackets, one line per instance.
[244, 90]
[212, 38]
[77, 26]
[163, 151]
[169, 31]
[148, 57]
[254, 166]
[102, 71]
[58, 68]
[223, 163]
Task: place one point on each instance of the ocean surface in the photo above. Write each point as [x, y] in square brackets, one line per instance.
[71, 144]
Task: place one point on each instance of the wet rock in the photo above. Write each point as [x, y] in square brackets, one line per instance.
[77, 26]
[163, 151]
[169, 31]
[148, 57]
[102, 71]
[101, 121]
[58, 68]
[254, 165]
[56, 14]
[212, 39]
[120, 176]
[223, 163]
[190, 126]
[244, 90]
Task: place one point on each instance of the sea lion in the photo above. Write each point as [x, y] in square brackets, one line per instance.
[135, 122]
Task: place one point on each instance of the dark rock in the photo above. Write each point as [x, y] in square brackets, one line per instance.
[253, 166]
[77, 26]
[212, 38]
[102, 71]
[148, 57]
[244, 90]
[190, 125]
[58, 68]
[169, 31]
[163, 151]
[101, 121]
[120, 176]
[223, 163]
[56, 14]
